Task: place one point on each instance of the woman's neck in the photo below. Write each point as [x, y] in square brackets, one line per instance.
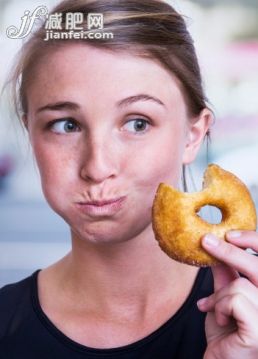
[126, 276]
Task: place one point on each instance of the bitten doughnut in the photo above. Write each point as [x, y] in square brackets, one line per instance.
[179, 229]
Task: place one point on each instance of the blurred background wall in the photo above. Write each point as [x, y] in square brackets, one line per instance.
[226, 37]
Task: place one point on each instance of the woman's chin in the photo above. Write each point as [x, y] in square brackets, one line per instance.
[106, 233]
[98, 234]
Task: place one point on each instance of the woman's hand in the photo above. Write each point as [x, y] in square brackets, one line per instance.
[232, 318]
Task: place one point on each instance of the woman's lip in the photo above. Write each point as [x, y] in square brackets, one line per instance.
[103, 207]
[102, 202]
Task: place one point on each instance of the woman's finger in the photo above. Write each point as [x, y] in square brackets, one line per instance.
[244, 239]
[238, 286]
[239, 308]
[234, 257]
[223, 275]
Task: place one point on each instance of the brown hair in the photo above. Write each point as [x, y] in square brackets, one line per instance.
[149, 28]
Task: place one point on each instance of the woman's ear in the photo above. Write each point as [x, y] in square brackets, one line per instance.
[196, 133]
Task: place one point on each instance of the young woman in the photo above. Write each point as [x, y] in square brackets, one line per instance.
[108, 121]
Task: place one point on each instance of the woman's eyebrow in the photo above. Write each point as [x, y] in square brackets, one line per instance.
[67, 105]
[141, 97]
[57, 106]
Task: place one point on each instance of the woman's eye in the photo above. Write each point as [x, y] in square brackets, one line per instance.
[137, 125]
[64, 126]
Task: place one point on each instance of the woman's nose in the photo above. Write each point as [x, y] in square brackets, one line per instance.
[99, 160]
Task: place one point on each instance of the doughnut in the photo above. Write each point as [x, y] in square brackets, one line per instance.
[179, 229]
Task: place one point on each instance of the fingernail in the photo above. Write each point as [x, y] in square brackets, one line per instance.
[211, 240]
[234, 234]
[201, 302]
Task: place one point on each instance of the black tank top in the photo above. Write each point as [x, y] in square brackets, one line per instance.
[27, 333]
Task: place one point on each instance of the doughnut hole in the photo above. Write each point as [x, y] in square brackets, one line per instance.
[210, 214]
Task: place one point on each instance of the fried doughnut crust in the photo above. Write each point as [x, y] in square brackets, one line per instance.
[179, 229]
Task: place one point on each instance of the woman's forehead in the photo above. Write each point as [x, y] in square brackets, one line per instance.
[87, 68]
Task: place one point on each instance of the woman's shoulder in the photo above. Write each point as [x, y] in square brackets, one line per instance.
[10, 291]
[14, 297]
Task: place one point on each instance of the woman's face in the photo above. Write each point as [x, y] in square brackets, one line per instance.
[106, 129]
